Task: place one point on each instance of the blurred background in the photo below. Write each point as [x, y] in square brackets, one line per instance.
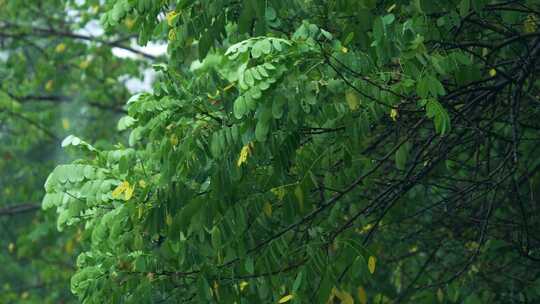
[60, 74]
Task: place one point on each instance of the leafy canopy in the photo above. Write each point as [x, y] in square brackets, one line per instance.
[314, 151]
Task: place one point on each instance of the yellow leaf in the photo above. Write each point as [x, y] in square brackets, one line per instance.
[440, 295]
[65, 123]
[243, 285]
[84, 64]
[391, 8]
[394, 114]
[171, 17]
[492, 72]
[120, 189]
[225, 89]
[69, 246]
[279, 192]
[174, 140]
[344, 296]
[286, 299]
[129, 22]
[471, 245]
[267, 209]
[25, 295]
[352, 100]
[530, 24]
[216, 289]
[172, 35]
[49, 86]
[142, 183]
[366, 228]
[362, 295]
[372, 261]
[344, 49]
[129, 192]
[11, 247]
[60, 48]
[244, 153]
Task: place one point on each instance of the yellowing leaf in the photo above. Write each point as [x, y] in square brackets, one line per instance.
[471, 245]
[243, 285]
[174, 140]
[129, 192]
[279, 192]
[69, 246]
[25, 295]
[244, 153]
[391, 8]
[142, 183]
[225, 89]
[492, 72]
[119, 190]
[124, 188]
[352, 100]
[172, 35]
[49, 86]
[65, 123]
[84, 64]
[129, 22]
[366, 228]
[171, 17]
[530, 25]
[168, 219]
[394, 114]
[372, 261]
[362, 295]
[215, 96]
[440, 295]
[286, 299]
[344, 49]
[60, 48]
[215, 288]
[267, 209]
[344, 296]
[11, 247]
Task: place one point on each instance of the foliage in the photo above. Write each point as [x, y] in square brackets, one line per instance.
[313, 152]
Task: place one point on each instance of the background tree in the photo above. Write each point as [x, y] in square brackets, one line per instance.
[58, 75]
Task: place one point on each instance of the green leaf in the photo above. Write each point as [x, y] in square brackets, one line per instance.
[402, 154]
[439, 115]
[261, 130]
[422, 87]
[249, 265]
[240, 107]
[248, 78]
[464, 7]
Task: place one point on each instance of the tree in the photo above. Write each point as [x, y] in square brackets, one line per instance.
[57, 77]
[314, 151]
